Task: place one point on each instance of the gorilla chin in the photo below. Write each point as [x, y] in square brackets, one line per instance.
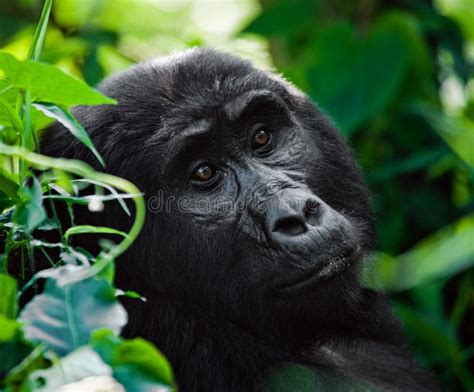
[235, 294]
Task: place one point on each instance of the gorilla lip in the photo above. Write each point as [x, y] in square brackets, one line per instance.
[322, 271]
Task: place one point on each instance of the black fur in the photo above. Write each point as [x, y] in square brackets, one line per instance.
[215, 278]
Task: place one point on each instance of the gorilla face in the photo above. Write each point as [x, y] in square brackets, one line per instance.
[241, 177]
[254, 200]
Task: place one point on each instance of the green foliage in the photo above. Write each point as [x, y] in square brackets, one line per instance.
[441, 255]
[29, 212]
[47, 346]
[396, 79]
[47, 83]
[136, 363]
[65, 118]
[8, 302]
[356, 63]
[284, 18]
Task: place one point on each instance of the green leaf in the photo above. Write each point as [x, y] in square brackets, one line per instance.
[49, 84]
[442, 254]
[7, 110]
[75, 13]
[66, 313]
[30, 212]
[8, 329]
[92, 230]
[8, 300]
[440, 344]
[70, 123]
[40, 32]
[284, 18]
[8, 185]
[349, 83]
[457, 132]
[136, 363]
[408, 26]
[81, 363]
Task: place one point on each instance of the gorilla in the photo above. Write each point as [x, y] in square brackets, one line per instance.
[258, 220]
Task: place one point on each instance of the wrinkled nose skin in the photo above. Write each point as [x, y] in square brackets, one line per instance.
[292, 213]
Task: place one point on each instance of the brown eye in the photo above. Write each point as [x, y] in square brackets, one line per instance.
[261, 138]
[204, 173]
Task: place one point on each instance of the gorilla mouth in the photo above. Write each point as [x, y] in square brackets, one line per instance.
[324, 270]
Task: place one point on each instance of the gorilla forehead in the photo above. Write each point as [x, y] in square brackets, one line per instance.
[178, 90]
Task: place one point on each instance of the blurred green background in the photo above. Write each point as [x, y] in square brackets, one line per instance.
[397, 77]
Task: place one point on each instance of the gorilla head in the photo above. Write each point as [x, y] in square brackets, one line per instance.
[257, 220]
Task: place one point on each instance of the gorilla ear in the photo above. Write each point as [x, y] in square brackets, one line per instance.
[261, 102]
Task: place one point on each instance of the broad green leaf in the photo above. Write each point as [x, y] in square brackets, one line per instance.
[8, 301]
[63, 316]
[443, 254]
[81, 363]
[457, 132]
[92, 230]
[75, 13]
[8, 114]
[408, 26]
[136, 363]
[49, 84]
[8, 329]
[30, 212]
[349, 83]
[70, 123]
[283, 18]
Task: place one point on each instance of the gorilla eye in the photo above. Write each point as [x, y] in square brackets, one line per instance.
[204, 173]
[260, 138]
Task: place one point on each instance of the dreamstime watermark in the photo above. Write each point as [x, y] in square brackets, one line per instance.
[261, 200]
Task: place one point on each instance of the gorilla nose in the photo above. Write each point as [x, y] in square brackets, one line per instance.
[289, 225]
[293, 217]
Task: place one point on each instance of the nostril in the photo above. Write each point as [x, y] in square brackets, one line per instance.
[312, 212]
[290, 225]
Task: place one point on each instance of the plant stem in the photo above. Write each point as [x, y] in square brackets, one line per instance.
[84, 170]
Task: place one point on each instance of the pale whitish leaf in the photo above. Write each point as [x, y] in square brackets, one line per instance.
[81, 363]
[66, 313]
